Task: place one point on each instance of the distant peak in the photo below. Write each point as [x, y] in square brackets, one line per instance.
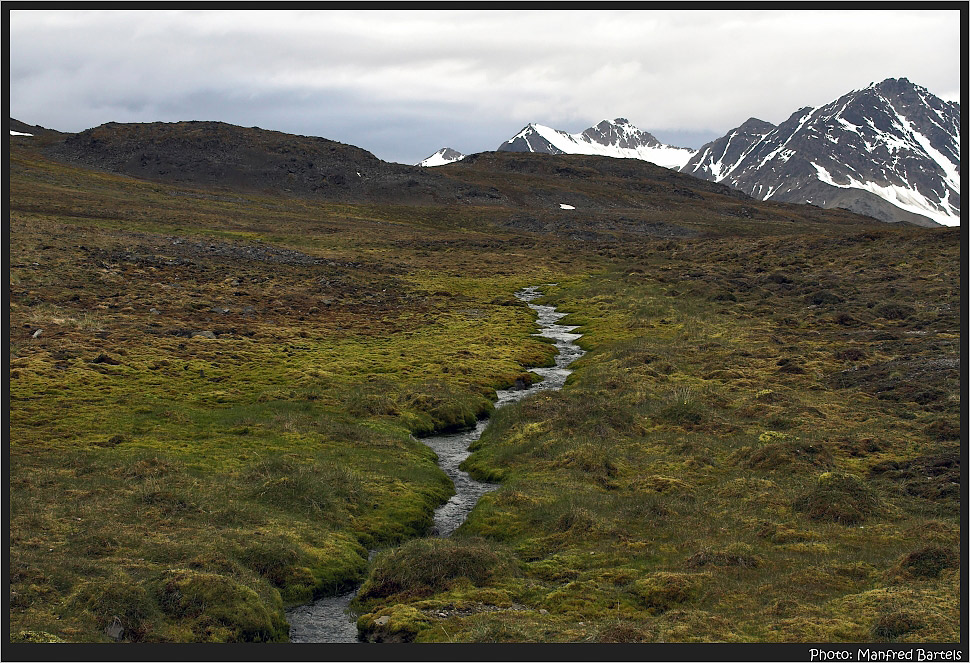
[441, 157]
[753, 123]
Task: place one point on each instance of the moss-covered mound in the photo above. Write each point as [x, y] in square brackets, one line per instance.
[425, 566]
[839, 498]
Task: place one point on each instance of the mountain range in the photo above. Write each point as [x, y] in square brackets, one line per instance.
[578, 196]
[890, 151]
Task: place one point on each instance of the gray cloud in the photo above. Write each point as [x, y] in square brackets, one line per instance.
[404, 83]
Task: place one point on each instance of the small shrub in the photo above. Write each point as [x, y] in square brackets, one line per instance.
[723, 296]
[575, 519]
[845, 319]
[788, 453]
[857, 447]
[169, 503]
[738, 554]
[376, 399]
[791, 366]
[944, 430]
[895, 311]
[891, 625]
[622, 631]
[839, 498]
[660, 484]
[767, 396]
[310, 488]
[119, 598]
[823, 298]
[595, 461]
[779, 277]
[661, 591]
[681, 414]
[273, 559]
[928, 562]
[850, 354]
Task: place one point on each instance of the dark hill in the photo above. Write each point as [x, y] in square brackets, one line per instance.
[617, 177]
[215, 154]
[621, 195]
[39, 136]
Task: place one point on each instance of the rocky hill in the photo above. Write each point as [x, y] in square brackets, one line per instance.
[250, 159]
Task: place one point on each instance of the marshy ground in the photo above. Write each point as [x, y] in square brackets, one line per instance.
[212, 396]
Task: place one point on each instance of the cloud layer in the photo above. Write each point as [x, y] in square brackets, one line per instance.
[404, 83]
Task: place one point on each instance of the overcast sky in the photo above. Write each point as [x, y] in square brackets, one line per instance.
[402, 84]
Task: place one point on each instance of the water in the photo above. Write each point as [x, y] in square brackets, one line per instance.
[328, 619]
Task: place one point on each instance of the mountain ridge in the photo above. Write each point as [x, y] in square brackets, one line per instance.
[216, 155]
[612, 138]
[891, 149]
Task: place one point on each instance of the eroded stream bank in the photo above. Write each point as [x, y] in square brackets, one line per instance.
[328, 619]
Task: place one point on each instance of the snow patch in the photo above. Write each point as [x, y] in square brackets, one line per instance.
[565, 206]
[19, 133]
[910, 200]
[950, 171]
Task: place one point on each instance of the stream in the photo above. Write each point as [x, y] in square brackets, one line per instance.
[328, 619]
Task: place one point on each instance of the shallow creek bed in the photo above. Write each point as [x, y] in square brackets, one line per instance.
[329, 619]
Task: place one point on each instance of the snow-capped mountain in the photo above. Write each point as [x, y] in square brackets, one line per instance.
[891, 151]
[441, 157]
[609, 138]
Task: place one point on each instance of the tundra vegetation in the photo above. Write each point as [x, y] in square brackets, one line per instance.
[213, 398]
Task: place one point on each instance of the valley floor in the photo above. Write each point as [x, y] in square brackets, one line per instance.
[212, 398]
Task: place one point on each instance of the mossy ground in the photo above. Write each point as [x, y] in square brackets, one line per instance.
[222, 391]
[212, 397]
[732, 461]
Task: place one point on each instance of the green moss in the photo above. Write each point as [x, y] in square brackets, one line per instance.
[399, 623]
[661, 591]
[424, 566]
[218, 609]
[34, 637]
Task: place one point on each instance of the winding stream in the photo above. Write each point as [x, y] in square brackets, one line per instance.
[328, 619]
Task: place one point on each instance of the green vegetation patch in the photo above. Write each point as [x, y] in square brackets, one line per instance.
[727, 470]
